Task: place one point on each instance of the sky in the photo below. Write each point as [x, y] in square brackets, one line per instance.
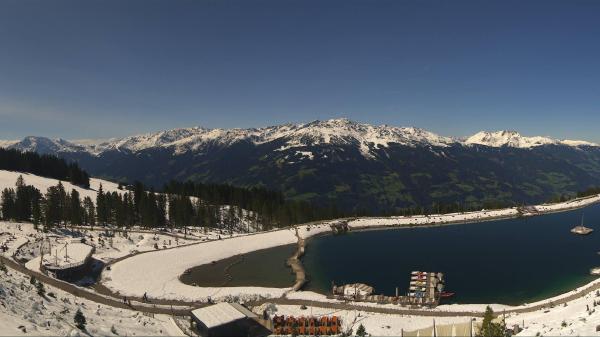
[98, 69]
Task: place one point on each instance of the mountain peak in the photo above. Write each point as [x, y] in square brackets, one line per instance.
[511, 138]
[337, 131]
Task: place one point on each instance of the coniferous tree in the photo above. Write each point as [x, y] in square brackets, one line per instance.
[76, 211]
[89, 212]
[361, 331]
[101, 210]
[489, 328]
[79, 320]
[52, 207]
[43, 165]
[8, 204]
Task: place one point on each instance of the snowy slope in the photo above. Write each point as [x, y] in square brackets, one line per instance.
[7, 143]
[8, 179]
[333, 131]
[24, 312]
[515, 139]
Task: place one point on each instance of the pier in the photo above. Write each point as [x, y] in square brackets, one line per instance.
[425, 290]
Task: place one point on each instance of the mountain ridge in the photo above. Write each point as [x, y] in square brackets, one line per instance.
[354, 165]
[337, 131]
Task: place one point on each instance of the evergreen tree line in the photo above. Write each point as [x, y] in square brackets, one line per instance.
[55, 207]
[589, 192]
[271, 206]
[133, 206]
[43, 165]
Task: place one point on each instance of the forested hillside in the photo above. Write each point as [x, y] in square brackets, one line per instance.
[43, 165]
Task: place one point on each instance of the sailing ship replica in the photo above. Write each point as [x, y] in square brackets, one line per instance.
[581, 229]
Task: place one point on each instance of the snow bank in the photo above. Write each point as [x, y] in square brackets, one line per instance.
[432, 219]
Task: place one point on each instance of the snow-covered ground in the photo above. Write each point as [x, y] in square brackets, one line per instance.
[438, 219]
[24, 312]
[431, 219]
[157, 273]
[579, 317]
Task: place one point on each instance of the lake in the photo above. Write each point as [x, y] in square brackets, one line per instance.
[511, 261]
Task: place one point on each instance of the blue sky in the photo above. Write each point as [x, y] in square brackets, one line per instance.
[94, 69]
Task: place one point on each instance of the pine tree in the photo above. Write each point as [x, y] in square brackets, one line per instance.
[52, 207]
[79, 320]
[36, 212]
[361, 331]
[489, 328]
[89, 212]
[76, 212]
[41, 290]
[101, 207]
[8, 204]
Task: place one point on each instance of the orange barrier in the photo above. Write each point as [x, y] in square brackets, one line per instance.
[311, 326]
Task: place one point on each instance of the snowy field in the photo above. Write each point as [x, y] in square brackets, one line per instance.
[157, 273]
[24, 312]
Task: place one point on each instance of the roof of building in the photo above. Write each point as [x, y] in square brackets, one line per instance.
[243, 310]
[218, 314]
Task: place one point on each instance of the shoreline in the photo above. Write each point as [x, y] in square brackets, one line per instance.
[167, 286]
[306, 279]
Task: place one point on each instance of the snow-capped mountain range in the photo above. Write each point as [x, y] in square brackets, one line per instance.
[334, 131]
[361, 166]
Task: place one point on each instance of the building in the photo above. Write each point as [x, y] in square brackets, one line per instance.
[228, 319]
